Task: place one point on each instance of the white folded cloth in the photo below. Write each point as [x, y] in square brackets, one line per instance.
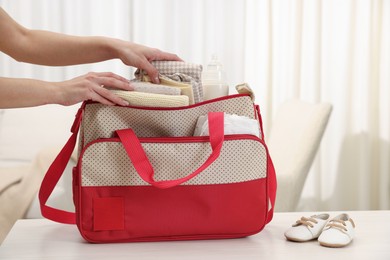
[233, 124]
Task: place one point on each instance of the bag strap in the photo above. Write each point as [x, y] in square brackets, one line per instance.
[143, 166]
[55, 172]
[271, 185]
[272, 182]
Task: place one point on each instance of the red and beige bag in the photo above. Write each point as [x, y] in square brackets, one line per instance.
[141, 175]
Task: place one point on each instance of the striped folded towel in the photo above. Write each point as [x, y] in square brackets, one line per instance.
[152, 100]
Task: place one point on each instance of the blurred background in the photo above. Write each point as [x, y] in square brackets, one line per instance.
[335, 51]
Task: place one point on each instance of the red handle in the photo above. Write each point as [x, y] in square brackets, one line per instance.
[142, 164]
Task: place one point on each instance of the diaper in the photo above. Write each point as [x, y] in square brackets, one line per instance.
[233, 124]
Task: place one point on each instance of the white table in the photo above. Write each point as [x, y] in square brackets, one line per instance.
[43, 239]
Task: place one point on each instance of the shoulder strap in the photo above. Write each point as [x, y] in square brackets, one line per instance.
[55, 172]
[272, 182]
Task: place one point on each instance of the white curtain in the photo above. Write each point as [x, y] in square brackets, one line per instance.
[318, 51]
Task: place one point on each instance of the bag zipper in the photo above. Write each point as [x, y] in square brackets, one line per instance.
[180, 139]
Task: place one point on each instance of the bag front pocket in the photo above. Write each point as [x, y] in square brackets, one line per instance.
[227, 199]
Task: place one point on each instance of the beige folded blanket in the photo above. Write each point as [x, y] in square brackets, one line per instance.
[152, 100]
[183, 87]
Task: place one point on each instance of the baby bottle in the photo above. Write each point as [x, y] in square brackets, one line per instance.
[214, 80]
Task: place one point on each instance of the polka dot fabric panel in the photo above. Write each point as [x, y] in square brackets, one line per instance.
[100, 121]
[105, 163]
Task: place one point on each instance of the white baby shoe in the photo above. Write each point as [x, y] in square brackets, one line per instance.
[306, 229]
[338, 232]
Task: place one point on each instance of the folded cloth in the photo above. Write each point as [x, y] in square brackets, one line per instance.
[184, 88]
[233, 124]
[181, 72]
[155, 88]
[151, 100]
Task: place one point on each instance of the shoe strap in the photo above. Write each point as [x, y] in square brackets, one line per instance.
[306, 222]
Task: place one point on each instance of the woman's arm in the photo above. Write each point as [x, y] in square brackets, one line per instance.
[30, 92]
[55, 49]
[49, 48]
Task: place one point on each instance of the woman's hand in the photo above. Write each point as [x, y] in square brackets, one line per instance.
[31, 92]
[140, 56]
[92, 87]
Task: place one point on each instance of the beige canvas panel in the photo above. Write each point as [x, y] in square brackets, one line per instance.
[100, 121]
[107, 164]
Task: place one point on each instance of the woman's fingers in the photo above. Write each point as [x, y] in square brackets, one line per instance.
[109, 80]
[99, 98]
[167, 56]
[151, 71]
[158, 55]
[107, 97]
